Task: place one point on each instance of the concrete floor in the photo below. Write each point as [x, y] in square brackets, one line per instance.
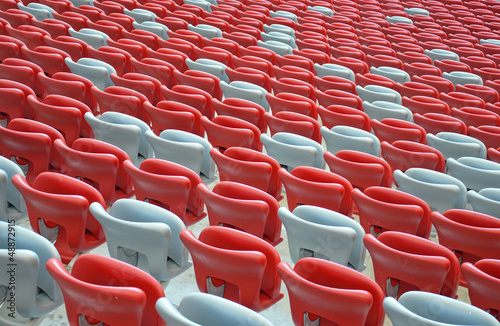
[176, 289]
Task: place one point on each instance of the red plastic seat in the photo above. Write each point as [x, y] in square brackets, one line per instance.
[284, 121]
[31, 148]
[412, 88]
[174, 115]
[331, 295]
[21, 74]
[60, 202]
[237, 265]
[356, 65]
[201, 80]
[336, 97]
[173, 56]
[486, 93]
[483, 280]
[347, 50]
[384, 60]
[156, 68]
[97, 169]
[293, 72]
[439, 83]
[63, 114]
[10, 47]
[478, 61]
[95, 279]
[117, 58]
[313, 186]
[30, 35]
[404, 154]
[146, 85]
[333, 82]
[292, 85]
[224, 132]
[242, 109]
[335, 115]
[412, 56]
[489, 135]
[49, 59]
[404, 262]
[474, 116]
[121, 99]
[249, 75]
[423, 104]
[390, 130]
[254, 169]
[11, 104]
[434, 123]
[362, 170]
[487, 73]
[168, 185]
[459, 100]
[470, 235]
[408, 213]
[446, 65]
[292, 102]
[192, 96]
[135, 48]
[244, 208]
[420, 68]
[373, 79]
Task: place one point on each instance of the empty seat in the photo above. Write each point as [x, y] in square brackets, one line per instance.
[456, 145]
[94, 277]
[96, 71]
[209, 310]
[58, 208]
[435, 123]
[285, 147]
[427, 184]
[404, 262]
[372, 93]
[224, 259]
[244, 208]
[312, 294]
[383, 209]
[415, 307]
[158, 249]
[174, 115]
[334, 115]
[350, 138]
[404, 154]
[390, 129]
[361, 169]
[381, 110]
[224, 132]
[309, 225]
[476, 173]
[486, 201]
[292, 122]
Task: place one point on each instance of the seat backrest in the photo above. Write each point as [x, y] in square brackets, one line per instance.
[135, 291]
[243, 263]
[456, 145]
[346, 137]
[158, 249]
[350, 290]
[12, 205]
[404, 154]
[476, 173]
[385, 209]
[486, 201]
[405, 262]
[415, 306]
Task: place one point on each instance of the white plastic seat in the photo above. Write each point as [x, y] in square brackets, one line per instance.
[442, 54]
[382, 109]
[372, 93]
[345, 137]
[394, 74]
[399, 19]
[476, 173]
[490, 41]
[96, 71]
[124, 119]
[319, 232]
[292, 150]
[246, 91]
[156, 28]
[38, 10]
[92, 37]
[124, 136]
[144, 235]
[184, 148]
[140, 15]
[212, 67]
[486, 201]
[275, 46]
[198, 309]
[78, 3]
[332, 69]
[455, 145]
[462, 78]
[439, 190]
[416, 11]
[283, 14]
[430, 309]
[36, 293]
[322, 9]
[205, 30]
[278, 37]
[279, 28]
[203, 4]
[12, 205]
